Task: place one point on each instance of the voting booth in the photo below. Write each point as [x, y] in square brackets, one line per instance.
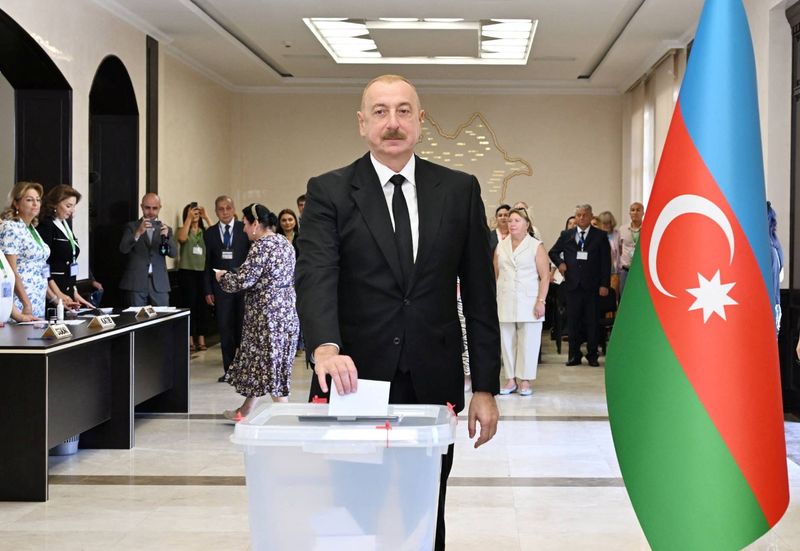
[321, 482]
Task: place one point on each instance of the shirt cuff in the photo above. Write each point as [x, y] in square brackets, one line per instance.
[326, 344]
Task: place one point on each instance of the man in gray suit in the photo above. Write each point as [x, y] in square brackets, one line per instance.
[145, 277]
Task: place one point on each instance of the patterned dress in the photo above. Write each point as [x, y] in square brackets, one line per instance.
[263, 362]
[16, 239]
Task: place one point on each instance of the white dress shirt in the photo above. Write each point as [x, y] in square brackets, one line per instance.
[409, 189]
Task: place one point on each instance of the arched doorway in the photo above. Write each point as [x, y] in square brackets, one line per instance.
[42, 109]
[113, 171]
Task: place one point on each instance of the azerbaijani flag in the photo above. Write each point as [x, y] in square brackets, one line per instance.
[692, 375]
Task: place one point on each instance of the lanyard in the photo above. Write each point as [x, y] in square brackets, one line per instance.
[36, 236]
[64, 227]
[3, 266]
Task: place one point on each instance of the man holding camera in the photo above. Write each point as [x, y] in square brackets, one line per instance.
[147, 242]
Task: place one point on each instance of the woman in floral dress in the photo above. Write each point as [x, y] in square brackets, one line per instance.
[263, 362]
[24, 249]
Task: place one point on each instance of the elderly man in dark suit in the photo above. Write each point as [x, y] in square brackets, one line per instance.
[226, 249]
[383, 241]
[583, 256]
[145, 277]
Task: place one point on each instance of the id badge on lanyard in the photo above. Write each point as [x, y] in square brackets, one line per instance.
[227, 254]
[73, 269]
[6, 288]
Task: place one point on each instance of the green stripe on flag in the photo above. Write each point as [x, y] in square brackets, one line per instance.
[683, 482]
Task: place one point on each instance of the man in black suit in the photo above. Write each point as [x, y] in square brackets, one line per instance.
[383, 241]
[226, 249]
[583, 256]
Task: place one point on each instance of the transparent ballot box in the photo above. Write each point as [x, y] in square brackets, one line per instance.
[323, 483]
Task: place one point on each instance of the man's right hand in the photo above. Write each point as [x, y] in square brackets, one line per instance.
[328, 361]
[210, 300]
[143, 227]
[562, 268]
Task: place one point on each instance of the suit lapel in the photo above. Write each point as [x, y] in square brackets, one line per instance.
[430, 202]
[217, 236]
[371, 202]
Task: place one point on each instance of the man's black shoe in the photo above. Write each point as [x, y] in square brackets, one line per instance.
[574, 361]
[221, 379]
[594, 363]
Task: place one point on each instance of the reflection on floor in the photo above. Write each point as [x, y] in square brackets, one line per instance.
[549, 479]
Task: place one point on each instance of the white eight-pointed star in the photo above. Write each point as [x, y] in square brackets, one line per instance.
[712, 296]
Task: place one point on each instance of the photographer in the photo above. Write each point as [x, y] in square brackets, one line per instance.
[147, 242]
[191, 269]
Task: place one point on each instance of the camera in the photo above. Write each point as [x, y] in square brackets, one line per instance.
[163, 248]
[193, 205]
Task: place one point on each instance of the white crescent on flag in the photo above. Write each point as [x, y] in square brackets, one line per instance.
[680, 205]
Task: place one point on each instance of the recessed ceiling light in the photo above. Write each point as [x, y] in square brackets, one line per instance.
[499, 41]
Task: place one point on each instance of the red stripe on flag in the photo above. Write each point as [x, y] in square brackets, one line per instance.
[732, 363]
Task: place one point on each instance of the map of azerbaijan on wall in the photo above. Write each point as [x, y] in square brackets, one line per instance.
[473, 147]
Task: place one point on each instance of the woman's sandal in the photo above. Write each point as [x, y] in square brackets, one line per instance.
[233, 415]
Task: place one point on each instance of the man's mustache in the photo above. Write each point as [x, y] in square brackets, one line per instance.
[394, 135]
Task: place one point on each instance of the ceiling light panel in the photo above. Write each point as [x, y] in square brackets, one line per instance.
[496, 41]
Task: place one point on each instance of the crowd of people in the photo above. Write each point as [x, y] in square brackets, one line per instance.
[228, 268]
[586, 267]
[219, 269]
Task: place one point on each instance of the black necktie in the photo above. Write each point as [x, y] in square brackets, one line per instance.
[402, 227]
[582, 240]
[226, 238]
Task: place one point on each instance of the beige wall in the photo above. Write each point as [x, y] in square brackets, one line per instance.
[572, 142]
[6, 137]
[78, 35]
[194, 146]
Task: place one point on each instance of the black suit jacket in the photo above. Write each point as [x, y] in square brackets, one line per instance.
[589, 274]
[240, 245]
[60, 258]
[350, 286]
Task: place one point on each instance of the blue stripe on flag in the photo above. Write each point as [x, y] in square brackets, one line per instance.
[719, 102]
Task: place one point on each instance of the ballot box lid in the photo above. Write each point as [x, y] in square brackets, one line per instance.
[412, 425]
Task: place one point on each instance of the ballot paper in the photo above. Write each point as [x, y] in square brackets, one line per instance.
[80, 311]
[370, 400]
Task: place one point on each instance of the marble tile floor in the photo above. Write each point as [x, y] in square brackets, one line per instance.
[548, 481]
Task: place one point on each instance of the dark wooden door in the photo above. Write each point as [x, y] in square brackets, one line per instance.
[43, 136]
[113, 195]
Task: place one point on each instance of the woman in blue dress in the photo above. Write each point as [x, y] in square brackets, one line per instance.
[24, 249]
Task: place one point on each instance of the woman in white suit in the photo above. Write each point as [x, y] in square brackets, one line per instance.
[523, 278]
